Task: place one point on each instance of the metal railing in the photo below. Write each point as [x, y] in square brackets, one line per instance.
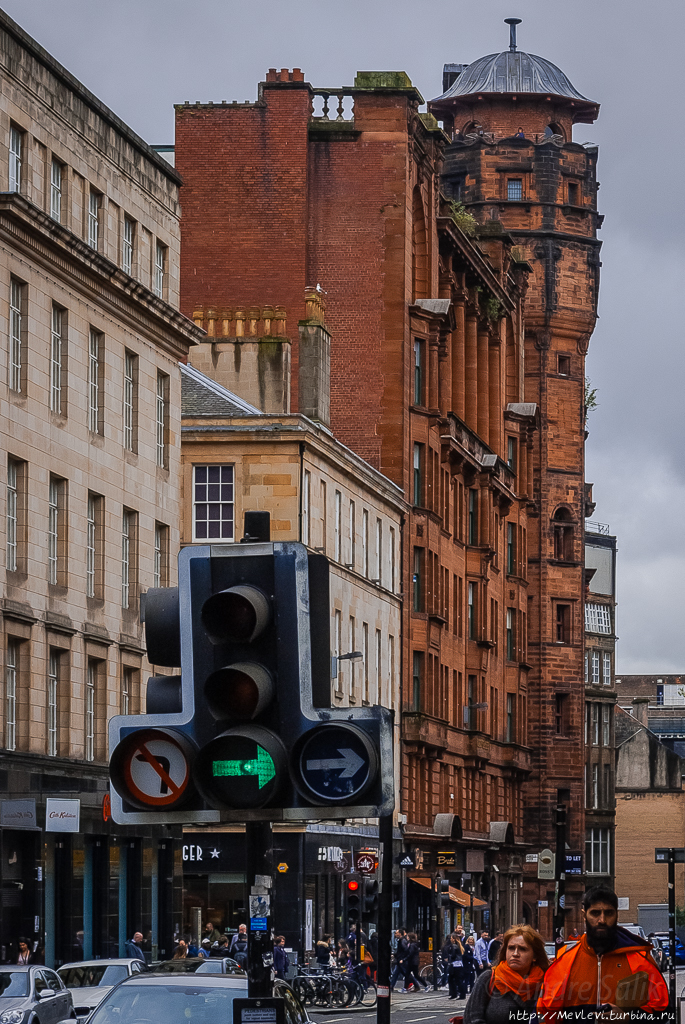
[602, 528]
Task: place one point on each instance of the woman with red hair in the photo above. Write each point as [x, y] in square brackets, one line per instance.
[513, 983]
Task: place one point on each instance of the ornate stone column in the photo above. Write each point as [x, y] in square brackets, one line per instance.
[471, 368]
[483, 406]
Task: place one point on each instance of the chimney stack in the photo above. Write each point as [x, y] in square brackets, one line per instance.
[641, 705]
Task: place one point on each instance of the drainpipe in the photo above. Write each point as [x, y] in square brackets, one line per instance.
[299, 514]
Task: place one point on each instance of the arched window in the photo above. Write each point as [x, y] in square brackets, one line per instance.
[554, 129]
[472, 128]
[419, 249]
[563, 530]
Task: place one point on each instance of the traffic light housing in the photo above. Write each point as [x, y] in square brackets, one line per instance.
[370, 886]
[353, 890]
[246, 732]
[444, 892]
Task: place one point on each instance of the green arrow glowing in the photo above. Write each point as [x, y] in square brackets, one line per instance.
[262, 766]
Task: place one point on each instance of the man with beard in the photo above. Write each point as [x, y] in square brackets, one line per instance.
[590, 975]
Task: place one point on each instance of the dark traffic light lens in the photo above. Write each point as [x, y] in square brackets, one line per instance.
[236, 616]
[239, 691]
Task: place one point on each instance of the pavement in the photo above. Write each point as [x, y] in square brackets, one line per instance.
[406, 1008]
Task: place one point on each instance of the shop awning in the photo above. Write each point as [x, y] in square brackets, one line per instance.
[456, 895]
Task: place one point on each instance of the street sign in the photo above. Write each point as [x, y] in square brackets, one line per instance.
[543, 903]
[264, 1010]
[155, 767]
[365, 863]
[661, 855]
[336, 763]
[281, 868]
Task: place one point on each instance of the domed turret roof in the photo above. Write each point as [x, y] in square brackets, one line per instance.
[514, 72]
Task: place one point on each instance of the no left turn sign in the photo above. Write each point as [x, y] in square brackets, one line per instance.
[155, 768]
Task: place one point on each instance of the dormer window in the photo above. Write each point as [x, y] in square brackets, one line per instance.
[514, 188]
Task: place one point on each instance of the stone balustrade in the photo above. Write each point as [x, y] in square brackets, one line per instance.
[333, 105]
[242, 321]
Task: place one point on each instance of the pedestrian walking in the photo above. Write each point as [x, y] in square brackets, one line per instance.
[470, 962]
[456, 973]
[323, 953]
[609, 968]
[494, 948]
[132, 947]
[399, 959]
[238, 947]
[411, 978]
[481, 952]
[509, 990]
[281, 961]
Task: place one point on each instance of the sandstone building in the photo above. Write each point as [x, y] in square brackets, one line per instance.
[322, 494]
[600, 702]
[457, 369]
[90, 423]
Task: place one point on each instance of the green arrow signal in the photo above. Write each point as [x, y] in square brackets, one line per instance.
[262, 766]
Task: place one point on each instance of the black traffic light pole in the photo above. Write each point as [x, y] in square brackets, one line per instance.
[435, 932]
[384, 921]
[260, 947]
[560, 874]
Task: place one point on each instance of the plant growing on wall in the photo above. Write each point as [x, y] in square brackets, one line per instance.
[462, 218]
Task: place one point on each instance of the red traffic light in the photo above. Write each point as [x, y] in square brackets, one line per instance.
[353, 886]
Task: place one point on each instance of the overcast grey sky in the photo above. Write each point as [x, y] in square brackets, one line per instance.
[142, 56]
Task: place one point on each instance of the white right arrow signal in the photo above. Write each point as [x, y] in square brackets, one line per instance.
[349, 762]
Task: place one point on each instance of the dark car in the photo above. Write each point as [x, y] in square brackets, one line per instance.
[33, 995]
[193, 964]
[664, 939]
[178, 998]
[658, 952]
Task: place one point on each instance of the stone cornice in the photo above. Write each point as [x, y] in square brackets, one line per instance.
[62, 253]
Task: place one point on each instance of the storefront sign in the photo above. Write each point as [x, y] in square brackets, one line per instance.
[18, 814]
[62, 815]
[446, 858]
[282, 868]
[365, 862]
[546, 864]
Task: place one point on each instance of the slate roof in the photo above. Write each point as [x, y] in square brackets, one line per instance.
[202, 396]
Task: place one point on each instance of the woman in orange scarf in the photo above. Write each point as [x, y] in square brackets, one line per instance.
[512, 985]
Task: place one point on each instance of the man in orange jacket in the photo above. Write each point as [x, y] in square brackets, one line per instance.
[585, 977]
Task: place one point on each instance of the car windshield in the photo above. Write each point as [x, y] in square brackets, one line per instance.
[91, 976]
[14, 983]
[174, 1004]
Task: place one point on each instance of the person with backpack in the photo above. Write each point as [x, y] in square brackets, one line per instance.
[238, 948]
[456, 971]
[509, 990]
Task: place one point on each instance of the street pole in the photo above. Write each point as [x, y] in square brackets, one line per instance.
[260, 947]
[560, 874]
[384, 920]
[434, 928]
[671, 930]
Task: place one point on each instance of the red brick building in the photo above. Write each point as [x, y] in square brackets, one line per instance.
[512, 161]
[439, 381]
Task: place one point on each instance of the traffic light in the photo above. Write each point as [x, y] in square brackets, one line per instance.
[370, 886]
[444, 892]
[246, 727]
[352, 890]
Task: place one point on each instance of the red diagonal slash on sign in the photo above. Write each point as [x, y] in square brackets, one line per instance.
[154, 763]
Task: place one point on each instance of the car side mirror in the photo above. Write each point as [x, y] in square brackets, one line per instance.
[47, 993]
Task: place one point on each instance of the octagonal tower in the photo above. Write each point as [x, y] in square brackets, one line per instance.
[515, 167]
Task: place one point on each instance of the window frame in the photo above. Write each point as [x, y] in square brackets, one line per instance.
[17, 336]
[128, 238]
[58, 360]
[94, 233]
[16, 158]
[419, 372]
[515, 185]
[227, 521]
[159, 268]
[52, 702]
[130, 402]
[12, 673]
[56, 180]
[162, 420]
[96, 354]
[94, 545]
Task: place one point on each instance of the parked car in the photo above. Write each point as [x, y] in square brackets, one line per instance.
[679, 947]
[658, 952]
[636, 929]
[33, 995]
[89, 981]
[193, 964]
[176, 999]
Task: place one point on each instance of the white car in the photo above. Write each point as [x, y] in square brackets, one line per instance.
[89, 981]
